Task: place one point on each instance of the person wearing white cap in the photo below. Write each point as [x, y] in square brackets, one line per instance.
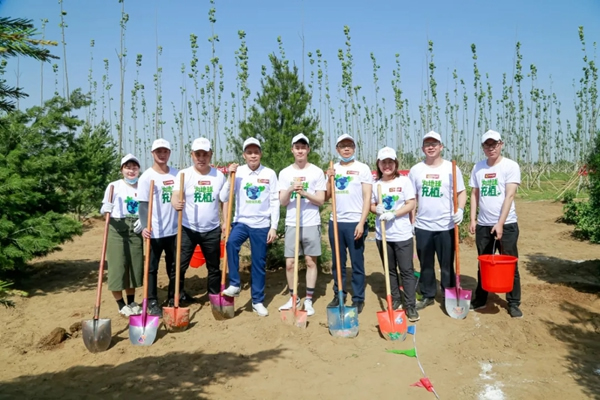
[353, 184]
[206, 192]
[436, 218]
[163, 237]
[307, 181]
[394, 211]
[124, 252]
[495, 181]
[256, 217]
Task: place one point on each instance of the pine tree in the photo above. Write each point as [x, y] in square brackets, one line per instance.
[281, 111]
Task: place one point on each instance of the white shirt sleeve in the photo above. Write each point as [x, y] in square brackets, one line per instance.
[320, 183]
[409, 190]
[513, 175]
[225, 188]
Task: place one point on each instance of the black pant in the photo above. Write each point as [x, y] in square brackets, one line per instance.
[430, 243]
[507, 245]
[210, 244]
[157, 246]
[400, 257]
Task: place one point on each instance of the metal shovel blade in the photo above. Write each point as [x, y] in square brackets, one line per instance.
[143, 329]
[222, 306]
[176, 319]
[392, 323]
[458, 302]
[293, 316]
[97, 334]
[342, 321]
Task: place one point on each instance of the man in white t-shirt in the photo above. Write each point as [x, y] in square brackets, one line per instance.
[495, 182]
[256, 194]
[163, 237]
[436, 218]
[308, 181]
[206, 192]
[353, 186]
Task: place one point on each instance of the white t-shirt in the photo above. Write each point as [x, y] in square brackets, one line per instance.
[348, 190]
[313, 180]
[433, 187]
[395, 193]
[491, 182]
[124, 199]
[202, 194]
[164, 216]
[257, 197]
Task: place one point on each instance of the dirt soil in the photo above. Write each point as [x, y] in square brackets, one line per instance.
[552, 353]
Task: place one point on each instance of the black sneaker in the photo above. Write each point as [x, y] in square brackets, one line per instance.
[359, 305]
[426, 302]
[154, 309]
[477, 305]
[515, 312]
[412, 314]
[335, 302]
[397, 305]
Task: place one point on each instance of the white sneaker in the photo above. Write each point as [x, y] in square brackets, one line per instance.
[135, 308]
[288, 304]
[260, 309]
[232, 291]
[126, 311]
[308, 307]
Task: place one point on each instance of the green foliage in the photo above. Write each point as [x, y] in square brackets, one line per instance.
[4, 292]
[280, 112]
[16, 40]
[585, 215]
[41, 169]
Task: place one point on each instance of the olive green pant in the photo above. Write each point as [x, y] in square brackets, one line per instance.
[124, 255]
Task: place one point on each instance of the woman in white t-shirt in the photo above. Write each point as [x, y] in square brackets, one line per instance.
[394, 211]
[124, 252]
[353, 184]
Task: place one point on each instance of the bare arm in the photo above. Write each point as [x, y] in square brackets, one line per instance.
[462, 199]
[409, 206]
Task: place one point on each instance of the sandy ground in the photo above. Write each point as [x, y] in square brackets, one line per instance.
[552, 353]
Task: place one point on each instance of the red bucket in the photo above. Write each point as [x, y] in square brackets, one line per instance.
[497, 272]
[198, 259]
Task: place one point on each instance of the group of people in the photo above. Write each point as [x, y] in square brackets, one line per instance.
[418, 207]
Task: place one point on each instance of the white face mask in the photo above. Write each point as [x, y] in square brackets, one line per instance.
[347, 159]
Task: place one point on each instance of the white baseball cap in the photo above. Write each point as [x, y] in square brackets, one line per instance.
[298, 137]
[491, 135]
[385, 153]
[251, 141]
[161, 144]
[129, 157]
[433, 135]
[345, 136]
[201, 144]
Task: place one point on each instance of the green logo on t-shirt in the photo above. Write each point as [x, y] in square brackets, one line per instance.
[167, 192]
[203, 194]
[431, 188]
[304, 187]
[489, 187]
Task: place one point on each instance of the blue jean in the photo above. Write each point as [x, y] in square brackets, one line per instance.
[356, 248]
[258, 245]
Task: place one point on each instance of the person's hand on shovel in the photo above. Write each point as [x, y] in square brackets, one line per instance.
[177, 205]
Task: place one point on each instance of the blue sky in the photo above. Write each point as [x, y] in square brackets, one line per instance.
[547, 30]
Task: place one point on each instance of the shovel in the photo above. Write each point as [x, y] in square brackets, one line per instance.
[177, 319]
[342, 320]
[96, 332]
[295, 316]
[143, 327]
[458, 300]
[222, 306]
[392, 323]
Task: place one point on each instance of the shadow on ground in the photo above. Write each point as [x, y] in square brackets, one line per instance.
[582, 335]
[171, 376]
[58, 276]
[583, 276]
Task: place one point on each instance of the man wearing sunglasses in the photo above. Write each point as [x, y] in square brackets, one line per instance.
[495, 181]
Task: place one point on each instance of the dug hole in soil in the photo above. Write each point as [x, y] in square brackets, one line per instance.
[552, 353]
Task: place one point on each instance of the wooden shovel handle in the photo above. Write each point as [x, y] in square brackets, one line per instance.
[178, 254]
[103, 256]
[228, 224]
[386, 267]
[335, 230]
[149, 227]
[296, 253]
[456, 227]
